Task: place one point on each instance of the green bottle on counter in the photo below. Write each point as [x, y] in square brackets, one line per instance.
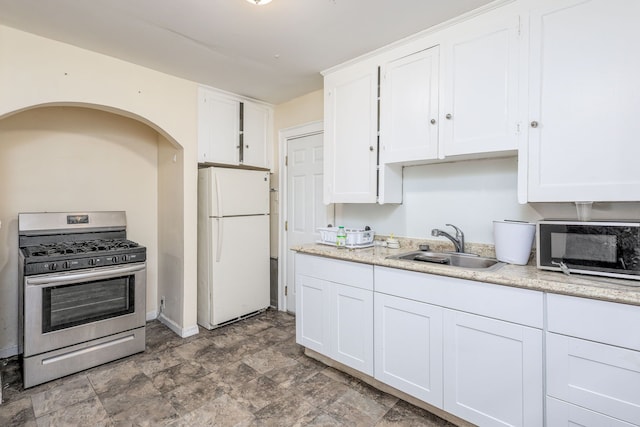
[341, 238]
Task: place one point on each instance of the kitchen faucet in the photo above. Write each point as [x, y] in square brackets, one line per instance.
[457, 241]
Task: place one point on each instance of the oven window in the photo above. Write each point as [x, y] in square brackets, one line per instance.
[79, 303]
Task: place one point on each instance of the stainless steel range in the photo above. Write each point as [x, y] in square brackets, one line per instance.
[83, 292]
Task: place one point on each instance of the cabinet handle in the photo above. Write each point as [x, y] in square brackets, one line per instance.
[371, 148]
[433, 121]
[534, 124]
[246, 146]
[448, 116]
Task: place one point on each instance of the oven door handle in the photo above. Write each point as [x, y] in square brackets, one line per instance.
[80, 277]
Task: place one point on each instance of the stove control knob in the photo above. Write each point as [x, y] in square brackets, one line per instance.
[114, 259]
[53, 266]
[126, 257]
[66, 264]
[92, 261]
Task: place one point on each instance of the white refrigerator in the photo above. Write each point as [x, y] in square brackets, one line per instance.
[233, 244]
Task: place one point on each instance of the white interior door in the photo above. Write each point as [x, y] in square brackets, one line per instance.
[305, 209]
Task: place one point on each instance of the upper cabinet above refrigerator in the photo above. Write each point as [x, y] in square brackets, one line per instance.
[233, 131]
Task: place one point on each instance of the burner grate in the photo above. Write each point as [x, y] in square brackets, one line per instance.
[89, 246]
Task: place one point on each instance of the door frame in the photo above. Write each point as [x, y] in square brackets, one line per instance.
[284, 136]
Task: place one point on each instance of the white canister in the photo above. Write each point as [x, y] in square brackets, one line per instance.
[513, 240]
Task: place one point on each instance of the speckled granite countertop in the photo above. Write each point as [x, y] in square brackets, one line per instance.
[520, 276]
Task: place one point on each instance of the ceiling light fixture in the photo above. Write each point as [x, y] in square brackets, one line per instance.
[259, 2]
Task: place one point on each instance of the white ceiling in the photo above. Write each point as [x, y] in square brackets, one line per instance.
[272, 52]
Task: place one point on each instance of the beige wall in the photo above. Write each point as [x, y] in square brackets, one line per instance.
[171, 245]
[36, 72]
[305, 109]
[74, 159]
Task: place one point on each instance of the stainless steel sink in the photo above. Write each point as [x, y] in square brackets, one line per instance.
[461, 260]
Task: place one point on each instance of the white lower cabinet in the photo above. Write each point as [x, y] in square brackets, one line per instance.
[313, 299]
[593, 361]
[352, 327]
[472, 349]
[563, 414]
[408, 346]
[492, 370]
[335, 309]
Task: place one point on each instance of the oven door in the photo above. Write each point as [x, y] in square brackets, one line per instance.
[598, 248]
[64, 309]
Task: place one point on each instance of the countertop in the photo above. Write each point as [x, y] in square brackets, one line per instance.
[520, 276]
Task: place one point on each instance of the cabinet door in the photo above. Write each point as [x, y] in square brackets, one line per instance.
[351, 111]
[600, 377]
[256, 127]
[408, 346]
[205, 125]
[583, 103]
[352, 327]
[313, 319]
[480, 75]
[222, 116]
[409, 108]
[563, 414]
[492, 370]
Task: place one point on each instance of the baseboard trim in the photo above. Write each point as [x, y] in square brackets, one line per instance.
[152, 315]
[8, 351]
[180, 331]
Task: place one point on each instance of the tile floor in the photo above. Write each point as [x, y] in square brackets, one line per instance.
[251, 373]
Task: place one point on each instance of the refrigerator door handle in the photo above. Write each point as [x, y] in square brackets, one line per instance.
[219, 239]
[218, 196]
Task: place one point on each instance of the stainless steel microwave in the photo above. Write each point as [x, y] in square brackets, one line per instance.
[599, 248]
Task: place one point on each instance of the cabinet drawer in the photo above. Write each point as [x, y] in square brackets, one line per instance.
[600, 321]
[561, 414]
[501, 302]
[332, 270]
[597, 376]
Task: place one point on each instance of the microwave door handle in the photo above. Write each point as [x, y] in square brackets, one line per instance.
[624, 266]
[563, 267]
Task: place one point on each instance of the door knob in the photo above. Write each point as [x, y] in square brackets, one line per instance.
[534, 124]
[433, 121]
[448, 116]
[371, 148]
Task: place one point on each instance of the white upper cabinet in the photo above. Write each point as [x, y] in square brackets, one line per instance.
[451, 92]
[478, 112]
[409, 107]
[220, 131]
[256, 120]
[350, 135]
[218, 128]
[583, 106]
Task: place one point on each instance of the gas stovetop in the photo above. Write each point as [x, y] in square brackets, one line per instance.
[59, 241]
[65, 256]
[85, 247]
